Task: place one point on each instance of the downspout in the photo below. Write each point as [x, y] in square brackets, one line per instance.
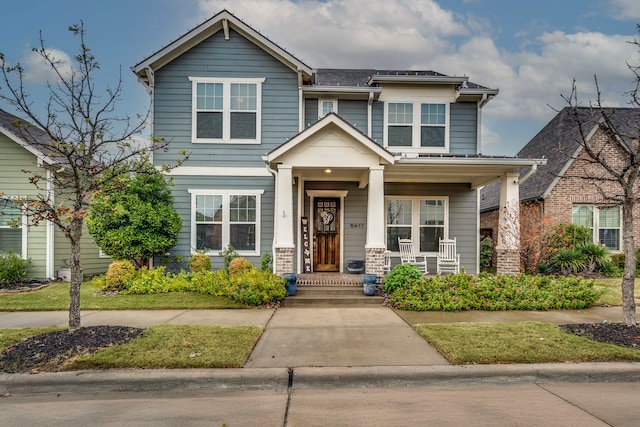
[150, 90]
[481, 104]
[529, 173]
[370, 115]
[300, 103]
[50, 233]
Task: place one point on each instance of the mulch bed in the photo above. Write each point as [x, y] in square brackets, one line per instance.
[50, 351]
[26, 286]
[612, 333]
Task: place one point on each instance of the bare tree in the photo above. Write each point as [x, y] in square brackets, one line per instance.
[609, 160]
[83, 136]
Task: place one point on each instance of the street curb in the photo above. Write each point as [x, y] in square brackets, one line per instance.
[393, 376]
[147, 380]
[278, 379]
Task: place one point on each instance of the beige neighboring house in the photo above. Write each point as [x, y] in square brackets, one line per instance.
[556, 190]
[43, 244]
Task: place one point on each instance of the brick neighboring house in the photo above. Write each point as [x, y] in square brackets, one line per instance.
[557, 192]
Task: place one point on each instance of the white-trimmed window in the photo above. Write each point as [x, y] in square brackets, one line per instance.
[418, 125]
[604, 221]
[423, 220]
[222, 218]
[226, 110]
[13, 230]
[326, 106]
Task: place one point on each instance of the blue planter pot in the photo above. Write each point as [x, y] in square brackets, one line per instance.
[291, 284]
[369, 284]
[369, 289]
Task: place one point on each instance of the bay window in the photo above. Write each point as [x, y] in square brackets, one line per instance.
[223, 218]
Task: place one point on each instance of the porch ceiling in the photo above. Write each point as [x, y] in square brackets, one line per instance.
[475, 172]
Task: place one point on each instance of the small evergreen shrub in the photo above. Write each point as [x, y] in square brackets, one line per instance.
[266, 262]
[402, 275]
[199, 262]
[119, 274]
[13, 268]
[486, 253]
[239, 265]
[227, 256]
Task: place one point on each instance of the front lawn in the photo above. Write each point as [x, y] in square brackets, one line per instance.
[56, 297]
[612, 291]
[521, 342]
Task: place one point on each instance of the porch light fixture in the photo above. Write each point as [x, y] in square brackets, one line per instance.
[327, 170]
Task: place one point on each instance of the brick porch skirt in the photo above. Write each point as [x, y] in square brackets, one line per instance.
[329, 279]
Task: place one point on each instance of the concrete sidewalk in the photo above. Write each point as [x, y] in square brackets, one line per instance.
[320, 337]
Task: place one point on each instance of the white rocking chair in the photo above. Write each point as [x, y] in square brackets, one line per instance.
[407, 256]
[386, 268]
[448, 260]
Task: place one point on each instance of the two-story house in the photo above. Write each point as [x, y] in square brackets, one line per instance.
[318, 166]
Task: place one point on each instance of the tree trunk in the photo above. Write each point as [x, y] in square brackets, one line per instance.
[628, 279]
[76, 275]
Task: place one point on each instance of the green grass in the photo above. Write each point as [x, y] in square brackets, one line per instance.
[162, 347]
[56, 297]
[177, 346]
[612, 292]
[520, 342]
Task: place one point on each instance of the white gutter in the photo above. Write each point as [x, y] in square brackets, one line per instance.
[528, 175]
[370, 115]
[273, 172]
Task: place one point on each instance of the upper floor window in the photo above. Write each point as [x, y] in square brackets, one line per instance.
[326, 106]
[603, 221]
[226, 110]
[417, 125]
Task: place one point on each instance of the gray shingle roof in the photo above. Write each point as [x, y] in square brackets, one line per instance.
[360, 77]
[31, 135]
[557, 142]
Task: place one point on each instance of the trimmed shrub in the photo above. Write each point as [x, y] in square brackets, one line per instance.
[564, 236]
[254, 287]
[239, 266]
[12, 267]
[402, 275]
[199, 262]
[457, 292]
[227, 256]
[119, 274]
[486, 253]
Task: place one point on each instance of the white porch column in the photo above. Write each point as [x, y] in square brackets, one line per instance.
[508, 247]
[284, 245]
[375, 244]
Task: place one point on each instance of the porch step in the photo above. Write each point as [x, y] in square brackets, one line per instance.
[330, 296]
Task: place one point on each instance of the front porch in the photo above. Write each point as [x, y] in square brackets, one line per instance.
[330, 290]
[340, 196]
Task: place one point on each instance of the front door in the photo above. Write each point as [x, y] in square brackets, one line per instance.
[326, 234]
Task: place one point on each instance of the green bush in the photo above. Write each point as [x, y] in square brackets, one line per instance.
[266, 262]
[594, 255]
[402, 275]
[228, 255]
[13, 268]
[199, 262]
[255, 287]
[119, 275]
[501, 292]
[569, 260]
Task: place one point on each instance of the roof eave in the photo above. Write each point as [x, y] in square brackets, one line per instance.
[218, 22]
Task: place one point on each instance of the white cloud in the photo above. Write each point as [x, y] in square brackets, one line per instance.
[37, 70]
[625, 9]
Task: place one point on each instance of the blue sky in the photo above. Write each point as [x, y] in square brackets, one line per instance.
[530, 50]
